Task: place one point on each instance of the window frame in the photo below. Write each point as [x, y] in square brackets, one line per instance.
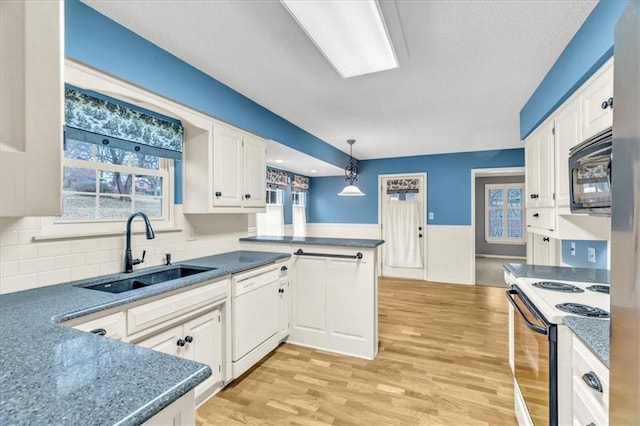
[297, 196]
[279, 196]
[487, 208]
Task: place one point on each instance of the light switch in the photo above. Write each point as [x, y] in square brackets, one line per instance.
[431, 216]
[573, 248]
[591, 255]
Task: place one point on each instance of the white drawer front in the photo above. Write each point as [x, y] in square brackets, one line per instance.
[113, 325]
[584, 413]
[162, 310]
[541, 218]
[585, 364]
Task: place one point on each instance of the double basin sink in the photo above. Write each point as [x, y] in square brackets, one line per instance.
[170, 273]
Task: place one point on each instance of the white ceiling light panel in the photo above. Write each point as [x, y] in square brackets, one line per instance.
[352, 35]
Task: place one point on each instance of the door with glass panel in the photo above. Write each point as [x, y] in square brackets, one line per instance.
[403, 224]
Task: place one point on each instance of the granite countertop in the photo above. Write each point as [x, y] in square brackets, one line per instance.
[318, 241]
[593, 332]
[563, 273]
[53, 374]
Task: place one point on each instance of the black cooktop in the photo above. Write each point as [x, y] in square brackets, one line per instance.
[583, 310]
[556, 286]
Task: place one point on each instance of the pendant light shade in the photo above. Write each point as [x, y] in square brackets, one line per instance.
[351, 176]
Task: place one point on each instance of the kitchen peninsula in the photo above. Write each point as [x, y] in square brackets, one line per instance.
[334, 290]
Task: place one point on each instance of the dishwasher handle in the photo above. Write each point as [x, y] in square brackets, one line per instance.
[358, 255]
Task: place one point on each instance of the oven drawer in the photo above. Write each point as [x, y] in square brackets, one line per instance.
[590, 378]
[584, 412]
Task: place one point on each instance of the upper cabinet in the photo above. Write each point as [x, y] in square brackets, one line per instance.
[585, 113]
[224, 171]
[539, 164]
[597, 103]
[31, 82]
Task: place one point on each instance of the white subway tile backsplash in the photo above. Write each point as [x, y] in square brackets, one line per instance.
[10, 253]
[26, 236]
[82, 272]
[42, 264]
[107, 268]
[8, 269]
[46, 249]
[70, 261]
[54, 277]
[18, 283]
[9, 238]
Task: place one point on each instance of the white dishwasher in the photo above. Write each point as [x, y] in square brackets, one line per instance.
[255, 305]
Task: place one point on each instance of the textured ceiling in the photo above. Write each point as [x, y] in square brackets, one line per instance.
[466, 67]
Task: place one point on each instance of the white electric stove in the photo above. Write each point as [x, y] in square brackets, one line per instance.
[556, 299]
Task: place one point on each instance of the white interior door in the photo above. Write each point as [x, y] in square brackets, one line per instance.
[402, 219]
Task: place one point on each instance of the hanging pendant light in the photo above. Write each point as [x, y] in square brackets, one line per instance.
[351, 175]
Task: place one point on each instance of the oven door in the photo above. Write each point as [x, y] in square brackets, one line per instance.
[535, 359]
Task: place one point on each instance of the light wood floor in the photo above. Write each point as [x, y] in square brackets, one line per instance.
[442, 361]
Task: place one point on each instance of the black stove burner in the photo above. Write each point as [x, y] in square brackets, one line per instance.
[599, 288]
[583, 310]
[555, 286]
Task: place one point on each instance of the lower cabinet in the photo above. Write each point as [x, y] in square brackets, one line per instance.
[541, 250]
[181, 412]
[590, 381]
[335, 301]
[198, 339]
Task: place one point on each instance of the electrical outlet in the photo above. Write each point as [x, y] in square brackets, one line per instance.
[431, 216]
[591, 255]
[573, 248]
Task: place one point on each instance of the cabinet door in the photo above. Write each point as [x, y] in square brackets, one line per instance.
[531, 170]
[31, 107]
[227, 166]
[165, 342]
[204, 344]
[595, 118]
[310, 295]
[546, 167]
[255, 170]
[181, 412]
[284, 319]
[542, 250]
[568, 134]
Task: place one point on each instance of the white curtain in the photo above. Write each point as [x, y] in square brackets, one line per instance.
[271, 223]
[299, 221]
[402, 244]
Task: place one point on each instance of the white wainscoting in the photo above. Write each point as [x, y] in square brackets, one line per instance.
[449, 251]
[450, 254]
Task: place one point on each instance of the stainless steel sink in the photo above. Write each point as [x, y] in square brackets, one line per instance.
[141, 281]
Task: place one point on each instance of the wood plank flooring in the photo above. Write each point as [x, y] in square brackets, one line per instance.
[442, 361]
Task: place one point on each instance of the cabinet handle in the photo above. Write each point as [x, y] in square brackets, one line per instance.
[546, 239]
[247, 196]
[99, 332]
[181, 342]
[281, 290]
[284, 268]
[188, 339]
[419, 235]
[419, 228]
[534, 196]
[592, 424]
[536, 215]
[607, 104]
[592, 381]
[218, 194]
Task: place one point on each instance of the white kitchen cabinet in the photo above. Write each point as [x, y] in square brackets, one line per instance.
[597, 106]
[112, 326]
[199, 339]
[590, 383]
[31, 100]
[541, 250]
[181, 412]
[335, 301]
[284, 310]
[539, 167]
[224, 171]
[568, 134]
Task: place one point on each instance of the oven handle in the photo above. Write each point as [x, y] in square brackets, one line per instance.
[530, 325]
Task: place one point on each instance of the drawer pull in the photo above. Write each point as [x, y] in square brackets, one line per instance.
[536, 215]
[99, 332]
[592, 424]
[592, 381]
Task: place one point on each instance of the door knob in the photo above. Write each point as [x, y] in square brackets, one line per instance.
[218, 194]
[181, 342]
[419, 228]
[188, 339]
[546, 239]
[281, 290]
[247, 196]
[419, 235]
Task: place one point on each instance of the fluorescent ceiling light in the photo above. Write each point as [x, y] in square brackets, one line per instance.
[352, 35]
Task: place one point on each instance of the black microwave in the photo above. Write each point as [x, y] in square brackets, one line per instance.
[590, 175]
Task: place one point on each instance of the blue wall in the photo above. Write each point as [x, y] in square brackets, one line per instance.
[591, 46]
[96, 40]
[580, 258]
[448, 186]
